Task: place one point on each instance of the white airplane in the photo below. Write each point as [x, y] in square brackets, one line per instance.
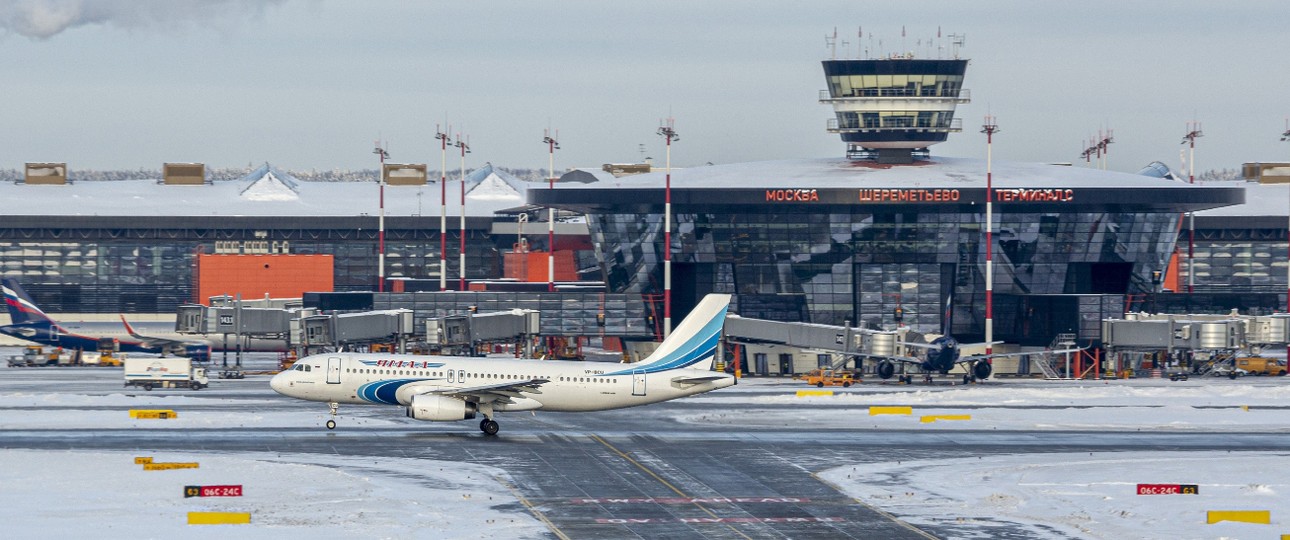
[449, 389]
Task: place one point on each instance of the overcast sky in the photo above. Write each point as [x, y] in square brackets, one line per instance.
[311, 83]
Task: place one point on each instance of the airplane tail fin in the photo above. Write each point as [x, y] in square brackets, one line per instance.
[21, 309]
[693, 344]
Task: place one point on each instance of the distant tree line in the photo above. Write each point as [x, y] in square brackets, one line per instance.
[237, 173]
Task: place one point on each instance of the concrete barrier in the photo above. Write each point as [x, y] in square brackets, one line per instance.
[1244, 516]
[875, 411]
[218, 518]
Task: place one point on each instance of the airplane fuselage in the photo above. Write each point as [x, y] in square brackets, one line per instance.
[57, 336]
[384, 379]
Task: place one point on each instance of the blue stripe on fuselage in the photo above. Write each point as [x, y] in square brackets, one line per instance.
[701, 346]
[383, 391]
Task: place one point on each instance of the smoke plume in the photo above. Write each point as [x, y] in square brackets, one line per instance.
[42, 19]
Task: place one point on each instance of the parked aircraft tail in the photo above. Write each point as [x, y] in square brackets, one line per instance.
[21, 309]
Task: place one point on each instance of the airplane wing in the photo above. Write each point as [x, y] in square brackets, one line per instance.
[975, 357]
[174, 346]
[498, 392]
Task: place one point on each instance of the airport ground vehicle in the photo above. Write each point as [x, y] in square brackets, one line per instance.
[164, 373]
[828, 377]
[1258, 365]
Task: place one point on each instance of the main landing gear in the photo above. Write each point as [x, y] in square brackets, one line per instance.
[331, 422]
[489, 426]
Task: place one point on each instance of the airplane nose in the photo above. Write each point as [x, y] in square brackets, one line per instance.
[277, 384]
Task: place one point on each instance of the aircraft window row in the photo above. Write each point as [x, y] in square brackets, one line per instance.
[370, 371]
[588, 379]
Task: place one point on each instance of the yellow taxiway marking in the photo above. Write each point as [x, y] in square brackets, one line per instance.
[875, 411]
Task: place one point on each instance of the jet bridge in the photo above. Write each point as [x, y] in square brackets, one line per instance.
[333, 330]
[466, 332]
[844, 340]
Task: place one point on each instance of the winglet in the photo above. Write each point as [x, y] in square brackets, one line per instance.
[129, 329]
[693, 344]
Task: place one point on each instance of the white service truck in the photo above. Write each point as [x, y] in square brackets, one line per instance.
[164, 373]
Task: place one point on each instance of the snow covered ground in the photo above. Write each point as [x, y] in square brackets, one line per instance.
[69, 494]
[1081, 495]
[59, 494]
[1195, 405]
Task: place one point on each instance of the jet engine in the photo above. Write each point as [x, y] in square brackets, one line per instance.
[440, 408]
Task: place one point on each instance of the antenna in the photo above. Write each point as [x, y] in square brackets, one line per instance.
[832, 43]
[956, 41]
[1193, 133]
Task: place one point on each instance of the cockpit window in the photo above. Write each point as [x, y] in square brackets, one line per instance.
[307, 368]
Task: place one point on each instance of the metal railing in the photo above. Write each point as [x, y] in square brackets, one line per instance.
[962, 96]
[954, 126]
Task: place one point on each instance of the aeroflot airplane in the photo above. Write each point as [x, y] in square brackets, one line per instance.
[448, 389]
[32, 324]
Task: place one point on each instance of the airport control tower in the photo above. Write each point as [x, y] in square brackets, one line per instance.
[891, 109]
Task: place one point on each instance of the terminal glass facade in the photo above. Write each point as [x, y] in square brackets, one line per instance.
[152, 271]
[829, 267]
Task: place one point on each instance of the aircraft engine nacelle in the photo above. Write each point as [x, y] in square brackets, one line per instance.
[439, 409]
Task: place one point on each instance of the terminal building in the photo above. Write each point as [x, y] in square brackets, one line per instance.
[148, 246]
[884, 234]
[888, 234]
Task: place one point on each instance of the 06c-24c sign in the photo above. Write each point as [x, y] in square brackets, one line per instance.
[1168, 489]
[212, 491]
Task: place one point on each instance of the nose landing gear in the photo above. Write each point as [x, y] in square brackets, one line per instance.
[331, 422]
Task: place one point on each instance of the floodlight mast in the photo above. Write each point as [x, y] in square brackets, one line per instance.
[444, 141]
[1285, 136]
[668, 132]
[461, 256]
[380, 235]
[552, 143]
[1193, 133]
[989, 128]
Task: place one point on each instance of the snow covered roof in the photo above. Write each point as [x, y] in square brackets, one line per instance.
[1261, 200]
[935, 173]
[489, 184]
[265, 192]
[942, 182]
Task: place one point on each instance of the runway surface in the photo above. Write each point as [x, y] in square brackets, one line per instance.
[633, 473]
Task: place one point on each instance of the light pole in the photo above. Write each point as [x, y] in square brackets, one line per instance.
[1193, 133]
[461, 266]
[444, 141]
[1286, 137]
[989, 128]
[668, 132]
[380, 223]
[551, 144]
